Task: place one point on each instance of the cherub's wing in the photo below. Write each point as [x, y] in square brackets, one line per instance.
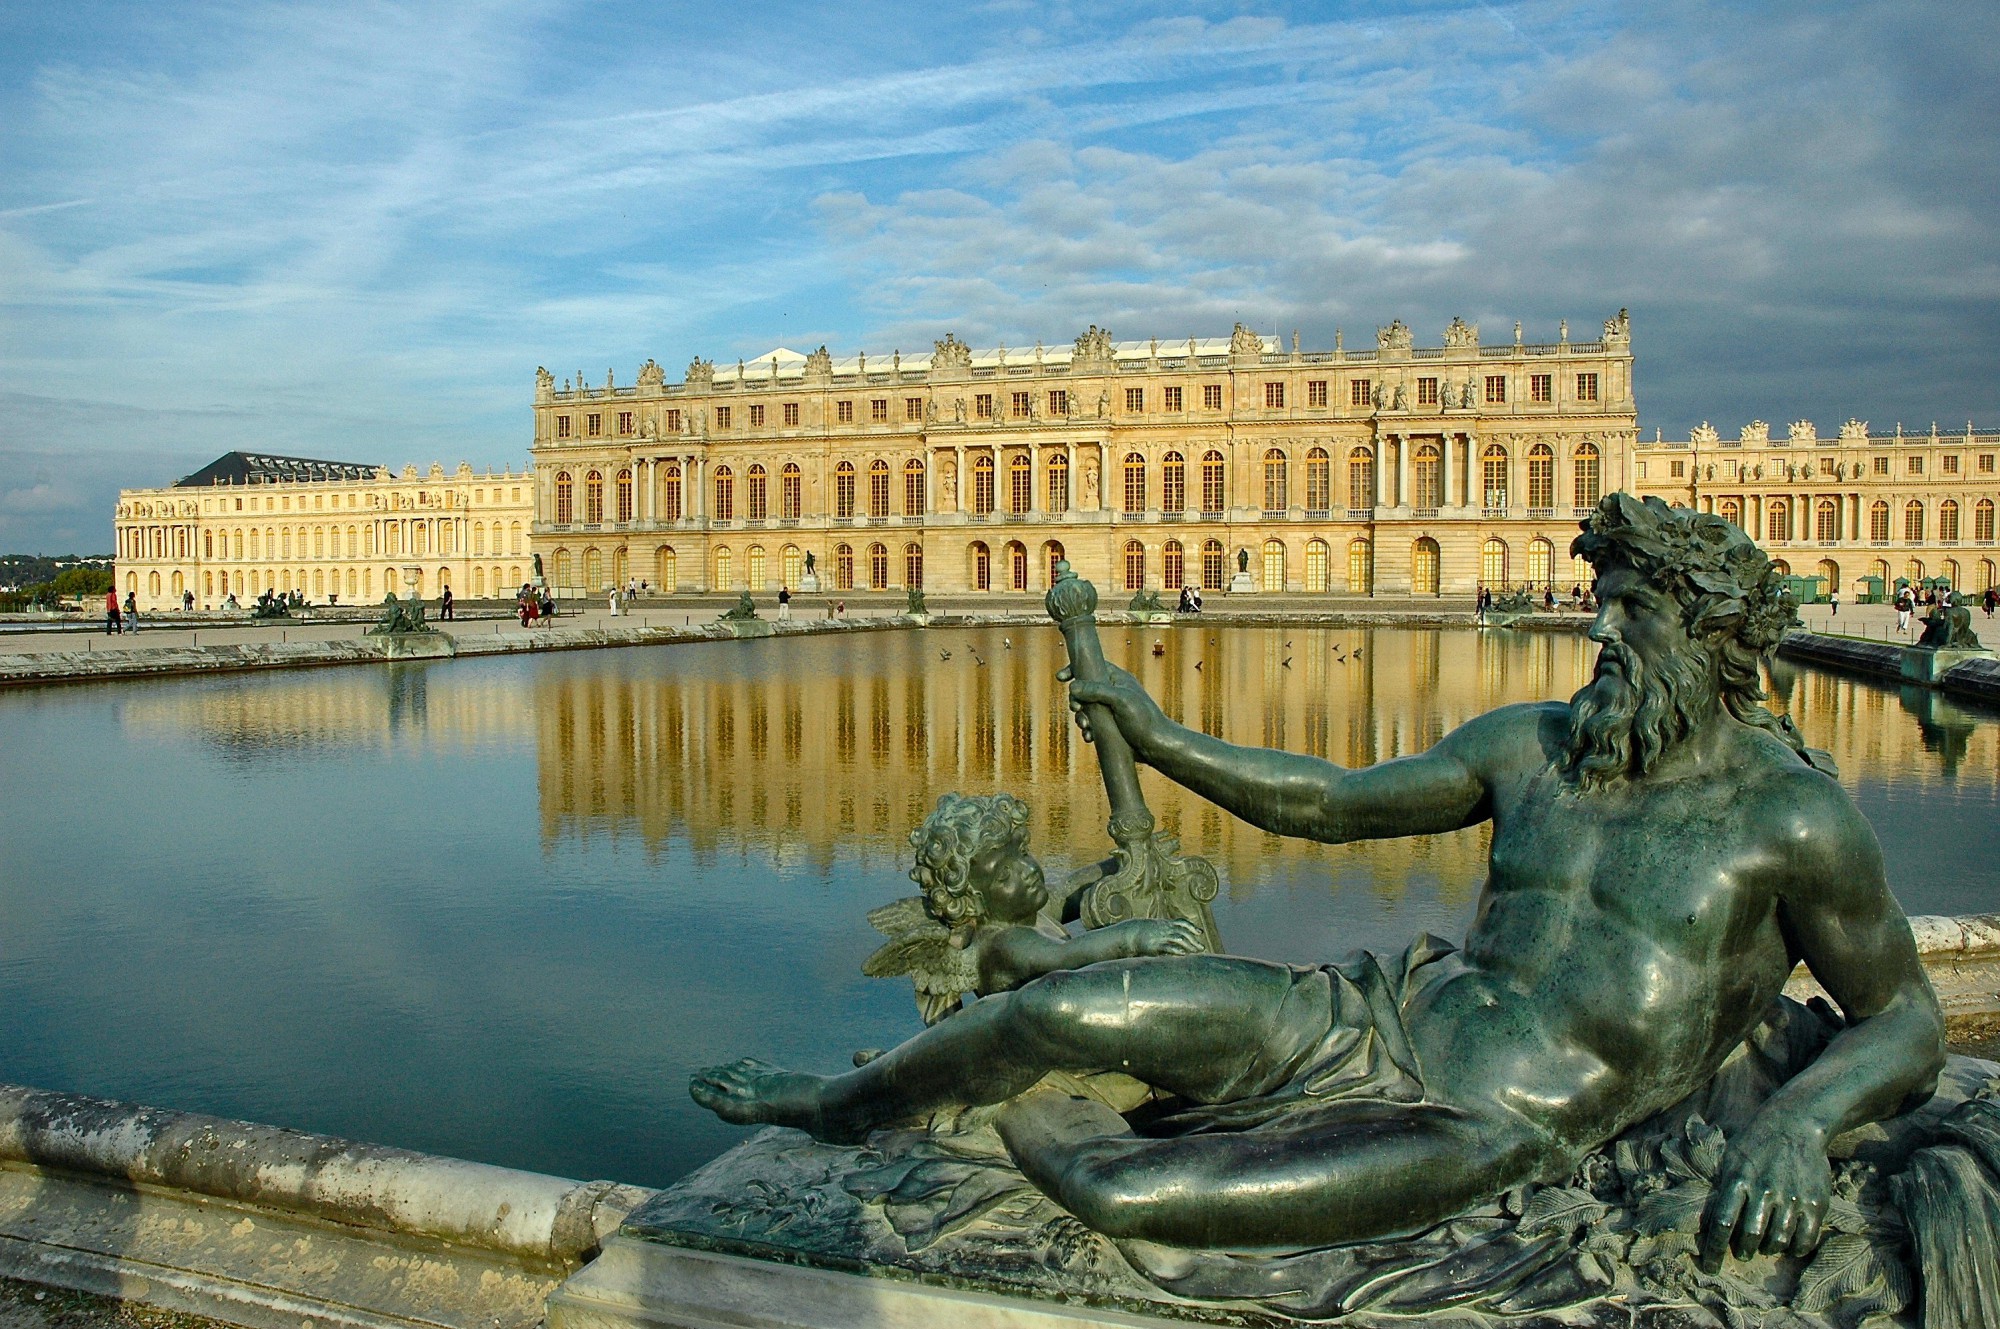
[941, 971]
[916, 951]
[900, 917]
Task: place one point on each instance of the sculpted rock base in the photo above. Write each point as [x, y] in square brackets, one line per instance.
[1616, 1245]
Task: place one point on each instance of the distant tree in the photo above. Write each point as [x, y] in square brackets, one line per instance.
[82, 581]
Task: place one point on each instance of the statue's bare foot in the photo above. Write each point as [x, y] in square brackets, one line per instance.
[751, 1093]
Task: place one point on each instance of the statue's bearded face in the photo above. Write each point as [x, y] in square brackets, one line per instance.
[1652, 686]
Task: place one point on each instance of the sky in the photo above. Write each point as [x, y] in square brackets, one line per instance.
[353, 231]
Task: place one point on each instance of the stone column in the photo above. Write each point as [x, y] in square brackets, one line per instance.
[1454, 446]
[1069, 499]
[1403, 470]
[958, 478]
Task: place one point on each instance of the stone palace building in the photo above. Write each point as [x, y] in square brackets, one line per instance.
[1399, 468]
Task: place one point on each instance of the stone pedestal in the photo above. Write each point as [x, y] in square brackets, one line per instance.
[1242, 584]
[745, 627]
[1926, 666]
[809, 584]
[418, 645]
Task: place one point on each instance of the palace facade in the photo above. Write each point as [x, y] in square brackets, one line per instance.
[1853, 508]
[1399, 468]
[248, 522]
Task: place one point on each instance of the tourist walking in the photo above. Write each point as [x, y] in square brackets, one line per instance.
[444, 605]
[131, 623]
[1905, 602]
[784, 604]
[1833, 598]
[114, 622]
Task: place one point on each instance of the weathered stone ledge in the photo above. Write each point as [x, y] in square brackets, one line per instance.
[1976, 679]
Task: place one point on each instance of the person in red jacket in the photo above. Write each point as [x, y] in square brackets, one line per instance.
[113, 623]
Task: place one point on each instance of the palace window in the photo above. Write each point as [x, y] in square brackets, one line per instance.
[843, 567]
[789, 504]
[1986, 463]
[593, 498]
[593, 424]
[1135, 483]
[913, 488]
[1541, 476]
[1020, 484]
[1017, 405]
[913, 408]
[670, 499]
[843, 491]
[1058, 402]
[725, 494]
[1778, 520]
[1058, 482]
[1315, 392]
[878, 488]
[1211, 396]
[1135, 566]
[1211, 481]
[1427, 392]
[1361, 478]
[1173, 566]
[1361, 392]
[758, 486]
[1135, 399]
[1881, 466]
[982, 485]
[1913, 522]
[674, 421]
[878, 567]
[723, 415]
[624, 422]
[1173, 484]
[1982, 521]
[1496, 389]
[878, 410]
[1541, 388]
[1586, 387]
[1878, 522]
[1493, 562]
[1586, 475]
[1274, 565]
[843, 412]
[1493, 471]
[982, 567]
[1275, 497]
[622, 487]
[1211, 565]
[913, 566]
[982, 406]
[1274, 396]
[1316, 561]
[1427, 477]
[757, 416]
[1916, 465]
[1948, 521]
[562, 426]
[1951, 464]
[791, 412]
[1732, 512]
[1677, 470]
[1171, 401]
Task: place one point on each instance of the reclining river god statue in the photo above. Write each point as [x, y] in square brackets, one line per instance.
[1403, 1134]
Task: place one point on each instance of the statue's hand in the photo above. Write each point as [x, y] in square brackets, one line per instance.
[1163, 936]
[1771, 1195]
[1139, 717]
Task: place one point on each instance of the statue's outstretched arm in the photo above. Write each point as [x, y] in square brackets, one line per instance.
[1840, 919]
[1444, 789]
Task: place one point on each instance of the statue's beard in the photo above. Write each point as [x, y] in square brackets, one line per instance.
[1628, 716]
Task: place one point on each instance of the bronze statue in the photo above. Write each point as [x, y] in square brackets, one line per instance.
[1663, 852]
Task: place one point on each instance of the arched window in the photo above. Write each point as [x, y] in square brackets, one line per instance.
[1052, 554]
[623, 495]
[593, 569]
[1135, 485]
[843, 567]
[1274, 566]
[1493, 478]
[1135, 566]
[789, 486]
[1947, 573]
[1541, 558]
[1058, 479]
[1017, 565]
[1275, 497]
[1982, 522]
[725, 494]
[1878, 522]
[670, 493]
[1319, 481]
[1424, 577]
[1361, 478]
[1427, 477]
[621, 568]
[1914, 570]
[1020, 484]
[593, 497]
[1317, 558]
[913, 566]
[1987, 574]
[666, 569]
[755, 570]
[791, 566]
[722, 580]
[1826, 522]
[982, 485]
[153, 583]
[878, 566]
[1587, 474]
[1173, 570]
[878, 489]
[1493, 562]
[843, 491]
[1360, 567]
[913, 488]
[1541, 477]
[758, 496]
[1778, 520]
[1829, 573]
[1913, 521]
[1948, 521]
[982, 566]
[1211, 483]
[1211, 565]
[565, 506]
[1173, 484]
[479, 537]
[1732, 512]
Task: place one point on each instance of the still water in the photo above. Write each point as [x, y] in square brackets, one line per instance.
[499, 909]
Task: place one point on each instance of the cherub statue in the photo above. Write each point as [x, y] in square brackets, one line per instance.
[982, 924]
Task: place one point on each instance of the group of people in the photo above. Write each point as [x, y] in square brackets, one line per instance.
[1190, 601]
[120, 618]
[534, 605]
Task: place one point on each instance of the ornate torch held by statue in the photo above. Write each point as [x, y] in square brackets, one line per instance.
[1146, 877]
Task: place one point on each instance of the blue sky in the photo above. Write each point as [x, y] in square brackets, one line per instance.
[354, 231]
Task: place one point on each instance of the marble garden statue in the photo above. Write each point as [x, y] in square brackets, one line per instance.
[1598, 1109]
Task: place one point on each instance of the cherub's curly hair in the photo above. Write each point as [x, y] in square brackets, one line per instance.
[963, 827]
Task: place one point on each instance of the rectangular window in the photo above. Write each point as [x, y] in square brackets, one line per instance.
[1211, 396]
[1541, 388]
[1361, 392]
[1427, 392]
[673, 422]
[1586, 387]
[562, 426]
[1496, 389]
[791, 412]
[1135, 399]
[1677, 469]
[593, 424]
[878, 410]
[982, 406]
[1274, 396]
[757, 416]
[843, 411]
[1017, 405]
[1986, 463]
[1315, 392]
[1172, 399]
[1916, 466]
[722, 417]
[1058, 403]
[1642, 470]
[1881, 466]
[1951, 465]
[624, 422]
[913, 408]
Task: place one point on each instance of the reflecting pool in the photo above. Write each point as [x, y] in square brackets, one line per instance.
[499, 908]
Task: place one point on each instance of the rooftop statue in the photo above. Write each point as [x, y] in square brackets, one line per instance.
[1436, 1129]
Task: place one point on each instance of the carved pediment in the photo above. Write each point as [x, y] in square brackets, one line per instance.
[1395, 337]
[700, 373]
[651, 377]
[1244, 342]
[951, 356]
[1461, 335]
[1094, 346]
[819, 365]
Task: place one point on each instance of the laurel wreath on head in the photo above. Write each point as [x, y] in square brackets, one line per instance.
[1725, 584]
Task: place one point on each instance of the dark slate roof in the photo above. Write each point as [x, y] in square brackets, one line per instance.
[241, 468]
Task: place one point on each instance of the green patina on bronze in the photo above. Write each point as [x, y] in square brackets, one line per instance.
[1493, 1125]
